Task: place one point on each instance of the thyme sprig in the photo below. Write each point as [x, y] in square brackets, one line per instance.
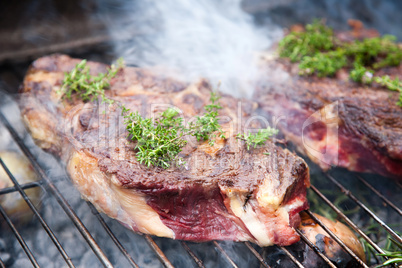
[319, 52]
[88, 87]
[391, 84]
[206, 127]
[258, 138]
[297, 45]
[160, 141]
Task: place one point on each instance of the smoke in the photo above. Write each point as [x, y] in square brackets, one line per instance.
[216, 40]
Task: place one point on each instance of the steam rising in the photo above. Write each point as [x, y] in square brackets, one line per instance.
[216, 40]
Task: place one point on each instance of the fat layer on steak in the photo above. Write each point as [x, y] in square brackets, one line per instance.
[224, 192]
[334, 121]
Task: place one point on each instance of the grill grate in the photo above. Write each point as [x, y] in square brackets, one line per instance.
[49, 185]
[19, 238]
[366, 209]
[35, 211]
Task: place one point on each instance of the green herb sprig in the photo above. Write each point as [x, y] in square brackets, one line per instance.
[87, 86]
[297, 45]
[324, 64]
[319, 52]
[206, 127]
[392, 249]
[259, 138]
[394, 253]
[361, 74]
[160, 141]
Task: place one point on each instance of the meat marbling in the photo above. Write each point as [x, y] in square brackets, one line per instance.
[224, 192]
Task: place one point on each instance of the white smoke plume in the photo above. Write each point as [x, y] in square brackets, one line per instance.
[216, 40]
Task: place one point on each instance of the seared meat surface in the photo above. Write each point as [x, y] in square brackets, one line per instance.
[224, 192]
[334, 121]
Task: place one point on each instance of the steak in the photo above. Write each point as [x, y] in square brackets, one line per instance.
[223, 192]
[334, 121]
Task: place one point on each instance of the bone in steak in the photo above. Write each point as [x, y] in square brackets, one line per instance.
[334, 121]
[224, 192]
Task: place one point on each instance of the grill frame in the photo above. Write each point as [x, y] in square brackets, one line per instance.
[48, 184]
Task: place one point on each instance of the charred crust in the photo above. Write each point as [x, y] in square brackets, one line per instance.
[248, 196]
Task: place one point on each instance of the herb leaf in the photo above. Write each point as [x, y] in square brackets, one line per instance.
[160, 141]
[258, 138]
[87, 86]
[206, 126]
[394, 253]
[297, 45]
[320, 52]
[391, 84]
[324, 64]
[361, 74]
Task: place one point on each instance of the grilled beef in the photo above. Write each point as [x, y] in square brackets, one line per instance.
[334, 121]
[224, 192]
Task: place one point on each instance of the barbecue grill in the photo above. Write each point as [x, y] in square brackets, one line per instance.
[51, 186]
[361, 201]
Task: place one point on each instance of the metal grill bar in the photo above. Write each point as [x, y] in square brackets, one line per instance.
[389, 203]
[28, 53]
[60, 199]
[315, 248]
[41, 220]
[24, 186]
[364, 207]
[257, 255]
[86, 42]
[294, 260]
[216, 244]
[348, 221]
[159, 253]
[336, 238]
[2, 265]
[112, 236]
[19, 238]
[192, 255]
